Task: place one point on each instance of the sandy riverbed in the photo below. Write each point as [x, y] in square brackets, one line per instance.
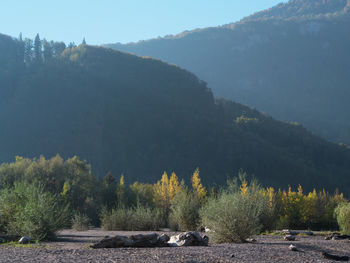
[73, 246]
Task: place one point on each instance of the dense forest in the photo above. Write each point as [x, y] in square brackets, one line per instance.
[291, 61]
[140, 117]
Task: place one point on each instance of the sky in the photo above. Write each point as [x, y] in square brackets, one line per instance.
[111, 21]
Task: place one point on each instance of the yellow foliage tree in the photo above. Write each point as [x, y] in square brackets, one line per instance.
[166, 189]
[122, 181]
[244, 187]
[120, 190]
[198, 189]
[161, 192]
[174, 186]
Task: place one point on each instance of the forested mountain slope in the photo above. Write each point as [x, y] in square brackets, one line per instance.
[291, 61]
[140, 117]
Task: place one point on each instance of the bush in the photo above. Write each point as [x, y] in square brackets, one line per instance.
[342, 213]
[144, 218]
[236, 213]
[184, 213]
[116, 219]
[80, 222]
[28, 210]
[137, 218]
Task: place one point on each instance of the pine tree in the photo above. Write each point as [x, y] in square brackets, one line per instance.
[37, 49]
[28, 50]
[20, 53]
[47, 50]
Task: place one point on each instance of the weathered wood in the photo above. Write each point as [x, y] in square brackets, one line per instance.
[10, 238]
[335, 257]
[148, 240]
[337, 236]
[188, 239]
[153, 240]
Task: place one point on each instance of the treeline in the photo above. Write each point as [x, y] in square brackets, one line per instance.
[40, 196]
[298, 10]
[38, 51]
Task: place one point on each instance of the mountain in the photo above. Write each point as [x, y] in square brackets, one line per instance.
[140, 117]
[291, 61]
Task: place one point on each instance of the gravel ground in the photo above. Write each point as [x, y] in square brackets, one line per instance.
[73, 246]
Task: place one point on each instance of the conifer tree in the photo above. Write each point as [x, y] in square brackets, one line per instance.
[28, 50]
[47, 50]
[37, 49]
[20, 53]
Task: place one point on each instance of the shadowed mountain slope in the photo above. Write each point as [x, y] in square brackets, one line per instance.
[291, 61]
[140, 116]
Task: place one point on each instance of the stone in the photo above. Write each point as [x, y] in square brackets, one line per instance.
[293, 248]
[207, 230]
[289, 238]
[251, 240]
[188, 239]
[25, 240]
[286, 231]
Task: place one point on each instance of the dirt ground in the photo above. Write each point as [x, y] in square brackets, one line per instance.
[73, 246]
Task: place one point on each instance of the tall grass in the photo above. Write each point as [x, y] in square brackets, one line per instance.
[80, 222]
[135, 218]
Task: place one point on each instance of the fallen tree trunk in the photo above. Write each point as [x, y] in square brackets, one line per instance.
[335, 257]
[153, 240]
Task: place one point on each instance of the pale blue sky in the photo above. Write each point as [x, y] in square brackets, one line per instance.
[109, 21]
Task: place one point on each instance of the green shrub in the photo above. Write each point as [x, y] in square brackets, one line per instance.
[80, 222]
[137, 218]
[144, 218]
[342, 213]
[116, 219]
[184, 213]
[236, 213]
[28, 210]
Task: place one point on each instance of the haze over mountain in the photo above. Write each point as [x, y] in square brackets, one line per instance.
[140, 117]
[291, 61]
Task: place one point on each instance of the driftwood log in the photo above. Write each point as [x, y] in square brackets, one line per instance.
[335, 257]
[337, 236]
[149, 240]
[9, 238]
[153, 240]
[188, 239]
